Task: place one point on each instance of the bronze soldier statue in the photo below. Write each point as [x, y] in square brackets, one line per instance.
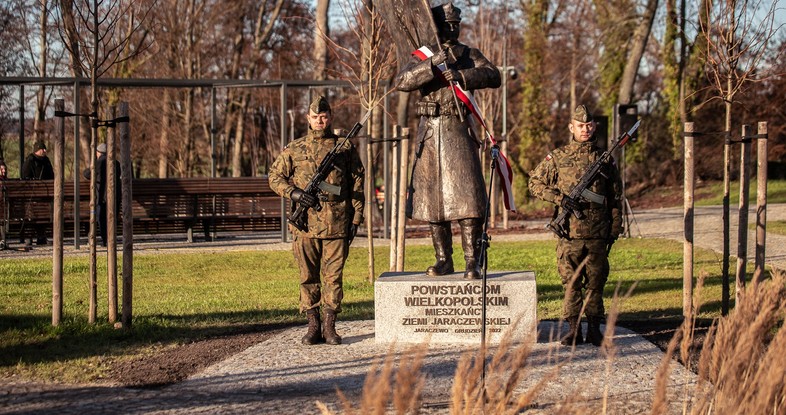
[325, 245]
[589, 237]
[447, 179]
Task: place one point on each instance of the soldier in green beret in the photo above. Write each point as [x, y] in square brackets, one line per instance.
[589, 237]
[324, 247]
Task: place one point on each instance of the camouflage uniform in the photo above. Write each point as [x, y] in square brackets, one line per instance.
[324, 247]
[589, 237]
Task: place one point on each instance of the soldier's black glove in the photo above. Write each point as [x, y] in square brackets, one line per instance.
[351, 232]
[305, 199]
[569, 204]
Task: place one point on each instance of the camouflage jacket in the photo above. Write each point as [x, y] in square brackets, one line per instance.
[559, 173]
[295, 167]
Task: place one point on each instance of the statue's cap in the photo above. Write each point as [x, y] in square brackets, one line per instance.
[446, 13]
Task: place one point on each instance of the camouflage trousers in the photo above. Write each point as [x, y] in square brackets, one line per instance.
[325, 257]
[583, 280]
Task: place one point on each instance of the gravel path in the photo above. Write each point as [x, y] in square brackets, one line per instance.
[280, 376]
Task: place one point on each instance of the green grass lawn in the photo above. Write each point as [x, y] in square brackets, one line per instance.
[712, 194]
[180, 298]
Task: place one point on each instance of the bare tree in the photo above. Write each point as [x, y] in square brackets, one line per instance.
[42, 58]
[92, 27]
[263, 30]
[376, 68]
[737, 34]
[321, 36]
[40, 108]
[534, 119]
[638, 43]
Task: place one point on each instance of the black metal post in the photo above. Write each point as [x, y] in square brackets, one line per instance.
[483, 262]
[21, 129]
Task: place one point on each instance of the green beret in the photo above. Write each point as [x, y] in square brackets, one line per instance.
[582, 114]
[319, 104]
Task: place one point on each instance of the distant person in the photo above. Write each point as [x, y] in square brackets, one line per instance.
[101, 186]
[3, 170]
[324, 246]
[582, 256]
[38, 167]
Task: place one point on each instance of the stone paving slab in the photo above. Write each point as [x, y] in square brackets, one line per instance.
[281, 376]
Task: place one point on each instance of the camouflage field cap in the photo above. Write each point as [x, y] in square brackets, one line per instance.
[319, 104]
[446, 13]
[582, 114]
[39, 145]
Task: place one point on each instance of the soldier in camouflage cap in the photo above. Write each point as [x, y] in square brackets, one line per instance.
[324, 247]
[589, 237]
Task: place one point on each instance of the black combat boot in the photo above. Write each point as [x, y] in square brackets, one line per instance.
[574, 335]
[329, 328]
[314, 333]
[471, 232]
[594, 335]
[443, 249]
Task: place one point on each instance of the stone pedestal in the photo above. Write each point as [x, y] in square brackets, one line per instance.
[413, 307]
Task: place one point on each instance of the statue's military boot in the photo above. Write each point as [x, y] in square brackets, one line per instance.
[314, 333]
[574, 335]
[594, 335]
[471, 232]
[442, 239]
[329, 328]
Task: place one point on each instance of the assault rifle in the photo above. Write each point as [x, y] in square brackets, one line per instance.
[317, 183]
[557, 225]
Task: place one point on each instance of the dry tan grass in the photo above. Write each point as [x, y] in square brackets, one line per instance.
[741, 369]
[404, 386]
[494, 393]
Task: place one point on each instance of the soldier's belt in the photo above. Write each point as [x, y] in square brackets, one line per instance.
[434, 109]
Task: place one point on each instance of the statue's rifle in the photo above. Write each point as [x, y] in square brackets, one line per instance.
[317, 182]
[436, 34]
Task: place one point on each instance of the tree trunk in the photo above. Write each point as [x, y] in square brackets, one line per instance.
[163, 144]
[74, 55]
[321, 34]
[237, 148]
[636, 51]
[40, 109]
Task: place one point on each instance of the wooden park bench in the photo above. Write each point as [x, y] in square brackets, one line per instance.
[160, 206]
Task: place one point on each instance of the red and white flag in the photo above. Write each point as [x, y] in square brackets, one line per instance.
[503, 166]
